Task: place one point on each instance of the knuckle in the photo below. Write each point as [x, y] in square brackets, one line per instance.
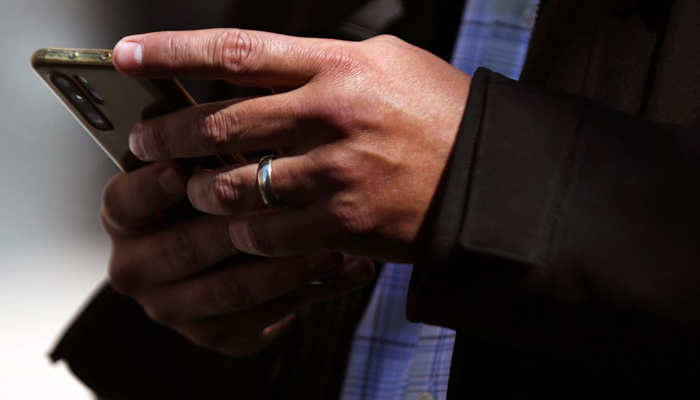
[176, 50]
[181, 253]
[155, 138]
[215, 127]
[227, 191]
[388, 39]
[234, 50]
[233, 295]
[387, 43]
[339, 58]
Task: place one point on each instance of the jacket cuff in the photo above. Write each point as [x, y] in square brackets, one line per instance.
[495, 208]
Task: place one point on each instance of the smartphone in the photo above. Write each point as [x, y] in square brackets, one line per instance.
[108, 104]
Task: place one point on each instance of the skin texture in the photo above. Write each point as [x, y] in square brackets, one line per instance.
[365, 131]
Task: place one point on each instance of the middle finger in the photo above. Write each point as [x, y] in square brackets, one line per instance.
[298, 180]
[220, 128]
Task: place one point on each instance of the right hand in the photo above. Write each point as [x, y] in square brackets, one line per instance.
[183, 276]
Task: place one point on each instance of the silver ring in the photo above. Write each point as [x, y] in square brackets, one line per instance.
[267, 192]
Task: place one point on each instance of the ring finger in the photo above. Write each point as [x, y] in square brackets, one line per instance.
[221, 128]
[296, 180]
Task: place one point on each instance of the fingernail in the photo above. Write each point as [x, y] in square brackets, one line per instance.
[128, 55]
[324, 261]
[359, 270]
[136, 142]
[171, 183]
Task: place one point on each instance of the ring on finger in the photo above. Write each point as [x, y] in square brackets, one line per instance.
[264, 175]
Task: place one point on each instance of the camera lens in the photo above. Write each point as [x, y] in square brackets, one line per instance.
[82, 104]
[62, 82]
[78, 98]
[88, 87]
[97, 121]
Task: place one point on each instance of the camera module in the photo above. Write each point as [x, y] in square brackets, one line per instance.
[81, 103]
[88, 87]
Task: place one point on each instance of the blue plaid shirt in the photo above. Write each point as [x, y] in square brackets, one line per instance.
[392, 358]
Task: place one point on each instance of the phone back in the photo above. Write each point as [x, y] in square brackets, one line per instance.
[108, 104]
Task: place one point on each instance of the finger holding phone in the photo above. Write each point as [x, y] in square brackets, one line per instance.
[183, 269]
[364, 129]
[189, 276]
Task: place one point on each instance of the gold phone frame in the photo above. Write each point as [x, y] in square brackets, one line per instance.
[127, 100]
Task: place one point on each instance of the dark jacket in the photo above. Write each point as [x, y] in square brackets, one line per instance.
[566, 233]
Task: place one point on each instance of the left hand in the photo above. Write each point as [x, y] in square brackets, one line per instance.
[187, 275]
[365, 130]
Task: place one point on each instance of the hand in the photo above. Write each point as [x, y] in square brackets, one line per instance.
[365, 130]
[184, 276]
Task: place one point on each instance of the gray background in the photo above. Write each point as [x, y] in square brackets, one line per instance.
[52, 250]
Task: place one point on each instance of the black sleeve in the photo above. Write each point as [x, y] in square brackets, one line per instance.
[115, 349]
[567, 228]
[119, 353]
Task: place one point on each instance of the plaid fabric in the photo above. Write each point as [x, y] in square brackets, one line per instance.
[392, 358]
[495, 34]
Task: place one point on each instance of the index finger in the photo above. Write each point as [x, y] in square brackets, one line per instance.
[239, 56]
